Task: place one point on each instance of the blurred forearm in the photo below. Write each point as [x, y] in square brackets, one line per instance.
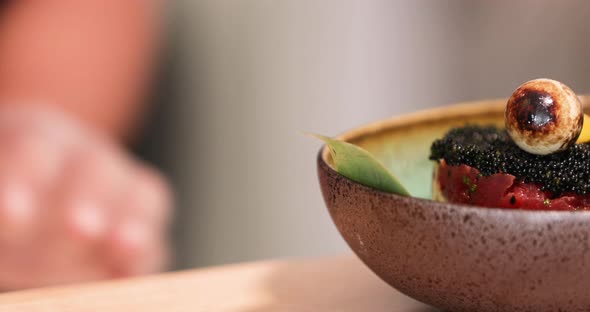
[92, 59]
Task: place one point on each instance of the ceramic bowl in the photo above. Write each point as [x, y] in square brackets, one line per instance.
[456, 257]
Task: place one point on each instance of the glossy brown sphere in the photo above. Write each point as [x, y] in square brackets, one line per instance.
[544, 116]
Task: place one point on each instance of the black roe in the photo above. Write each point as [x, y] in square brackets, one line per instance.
[491, 150]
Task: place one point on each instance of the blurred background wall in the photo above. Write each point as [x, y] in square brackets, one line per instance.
[249, 75]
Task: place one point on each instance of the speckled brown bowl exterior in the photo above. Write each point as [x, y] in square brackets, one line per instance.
[458, 257]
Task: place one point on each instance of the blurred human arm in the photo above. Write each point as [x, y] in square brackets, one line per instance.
[91, 59]
[74, 204]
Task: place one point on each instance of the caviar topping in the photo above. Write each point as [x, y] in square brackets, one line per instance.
[491, 150]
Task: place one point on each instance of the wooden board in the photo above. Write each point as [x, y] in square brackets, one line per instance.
[337, 284]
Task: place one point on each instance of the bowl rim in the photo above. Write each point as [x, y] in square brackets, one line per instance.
[468, 108]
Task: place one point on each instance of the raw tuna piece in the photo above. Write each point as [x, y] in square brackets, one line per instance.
[465, 185]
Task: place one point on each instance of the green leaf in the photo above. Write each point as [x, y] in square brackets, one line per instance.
[359, 165]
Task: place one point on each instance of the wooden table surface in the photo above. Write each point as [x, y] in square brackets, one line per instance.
[335, 284]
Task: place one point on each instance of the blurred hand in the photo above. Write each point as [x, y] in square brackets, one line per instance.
[73, 205]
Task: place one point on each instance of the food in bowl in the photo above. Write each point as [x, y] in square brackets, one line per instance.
[455, 257]
[534, 163]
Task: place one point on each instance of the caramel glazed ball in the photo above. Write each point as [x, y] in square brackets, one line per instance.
[544, 116]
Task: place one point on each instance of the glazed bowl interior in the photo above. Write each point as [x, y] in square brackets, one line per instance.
[455, 257]
[403, 144]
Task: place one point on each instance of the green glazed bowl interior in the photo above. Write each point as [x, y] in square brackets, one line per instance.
[403, 144]
[455, 257]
